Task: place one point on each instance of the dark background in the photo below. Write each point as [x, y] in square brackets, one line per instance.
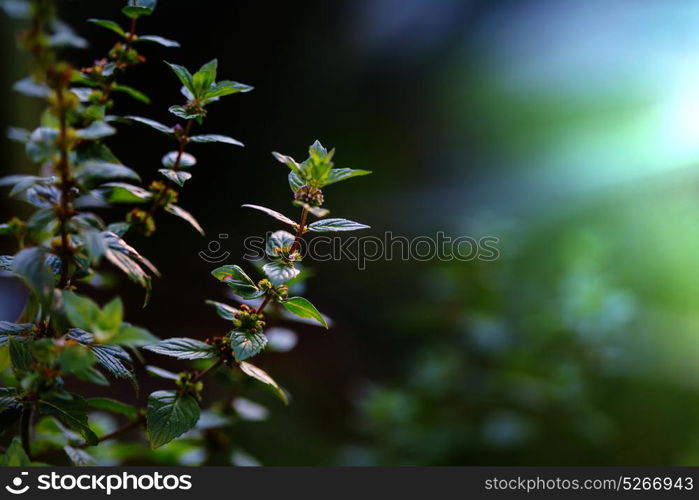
[541, 123]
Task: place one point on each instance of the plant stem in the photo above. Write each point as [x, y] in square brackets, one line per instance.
[299, 232]
[264, 304]
[201, 374]
[26, 427]
[66, 203]
[124, 428]
[132, 33]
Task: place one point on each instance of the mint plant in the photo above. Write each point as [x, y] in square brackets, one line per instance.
[63, 334]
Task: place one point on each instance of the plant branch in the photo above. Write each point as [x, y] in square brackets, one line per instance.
[299, 232]
[202, 373]
[66, 203]
[26, 429]
[124, 428]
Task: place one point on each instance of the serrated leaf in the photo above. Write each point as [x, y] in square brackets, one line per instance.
[288, 161]
[183, 74]
[238, 281]
[184, 113]
[261, 375]
[182, 348]
[71, 410]
[334, 225]
[295, 182]
[278, 240]
[183, 214]
[186, 160]
[96, 130]
[157, 39]
[215, 138]
[273, 213]
[110, 25]
[204, 78]
[224, 310]
[8, 328]
[170, 415]
[152, 123]
[342, 174]
[226, 87]
[176, 176]
[114, 406]
[304, 309]
[280, 272]
[246, 345]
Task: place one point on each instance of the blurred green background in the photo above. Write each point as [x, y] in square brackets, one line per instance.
[569, 130]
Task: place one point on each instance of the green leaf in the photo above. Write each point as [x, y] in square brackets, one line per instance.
[183, 214]
[238, 281]
[317, 211]
[273, 213]
[133, 93]
[280, 272]
[114, 406]
[288, 161]
[182, 348]
[110, 25]
[119, 192]
[184, 113]
[215, 138]
[157, 39]
[19, 355]
[132, 336]
[76, 359]
[226, 87]
[261, 375]
[295, 182]
[82, 312]
[170, 415]
[71, 410]
[30, 266]
[138, 8]
[224, 310]
[176, 176]
[204, 78]
[186, 160]
[183, 74]
[96, 130]
[115, 360]
[304, 309]
[162, 373]
[15, 456]
[93, 173]
[246, 345]
[8, 328]
[342, 174]
[110, 317]
[152, 123]
[333, 225]
[95, 245]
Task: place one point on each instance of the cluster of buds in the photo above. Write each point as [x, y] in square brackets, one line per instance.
[188, 385]
[163, 193]
[141, 220]
[124, 56]
[274, 292]
[195, 107]
[249, 321]
[225, 351]
[309, 194]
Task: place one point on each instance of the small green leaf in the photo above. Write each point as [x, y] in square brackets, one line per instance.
[153, 124]
[204, 78]
[15, 456]
[279, 240]
[93, 173]
[182, 348]
[19, 355]
[133, 93]
[273, 213]
[226, 87]
[71, 410]
[238, 281]
[82, 311]
[132, 336]
[176, 176]
[288, 161]
[114, 406]
[157, 39]
[342, 174]
[333, 225]
[280, 272]
[246, 345]
[76, 359]
[96, 130]
[119, 192]
[215, 138]
[186, 160]
[110, 317]
[138, 8]
[183, 214]
[224, 310]
[185, 114]
[183, 74]
[170, 415]
[261, 375]
[110, 25]
[304, 309]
